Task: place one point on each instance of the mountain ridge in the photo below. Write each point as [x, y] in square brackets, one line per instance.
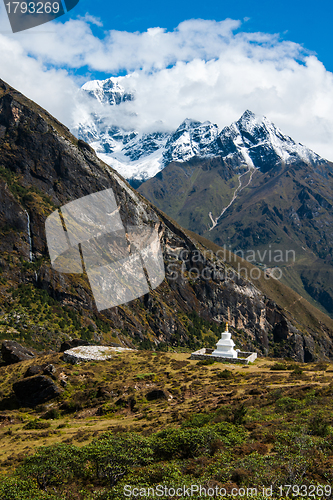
[250, 141]
[199, 175]
[43, 167]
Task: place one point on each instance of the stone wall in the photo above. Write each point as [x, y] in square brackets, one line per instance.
[243, 358]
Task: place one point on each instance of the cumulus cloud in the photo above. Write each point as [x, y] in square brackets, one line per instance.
[205, 70]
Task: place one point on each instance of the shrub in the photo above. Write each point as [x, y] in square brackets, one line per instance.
[197, 420]
[52, 465]
[37, 424]
[239, 414]
[229, 434]
[52, 414]
[144, 376]
[226, 374]
[251, 470]
[319, 426]
[106, 409]
[183, 443]
[241, 476]
[23, 489]
[279, 366]
[112, 456]
[275, 394]
[169, 473]
[287, 404]
[193, 442]
[71, 406]
[205, 362]
[297, 371]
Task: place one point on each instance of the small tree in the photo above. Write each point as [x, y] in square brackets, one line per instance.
[13, 488]
[112, 456]
[52, 465]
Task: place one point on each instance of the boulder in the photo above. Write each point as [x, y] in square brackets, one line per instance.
[103, 392]
[37, 390]
[69, 344]
[13, 352]
[33, 370]
[6, 420]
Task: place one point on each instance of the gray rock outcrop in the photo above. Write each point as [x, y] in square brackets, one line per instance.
[13, 352]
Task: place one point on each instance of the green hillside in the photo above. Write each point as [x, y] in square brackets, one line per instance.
[145, 419]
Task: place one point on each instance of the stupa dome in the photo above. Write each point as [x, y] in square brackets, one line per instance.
[225, 346]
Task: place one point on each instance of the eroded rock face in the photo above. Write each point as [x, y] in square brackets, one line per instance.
[37, 390]
[50, 370]
[13, 352]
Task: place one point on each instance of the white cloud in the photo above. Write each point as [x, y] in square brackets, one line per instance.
[205, 70]
[51, 88]
[92, 20]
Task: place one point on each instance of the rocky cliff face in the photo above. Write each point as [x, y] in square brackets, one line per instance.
[43, 167]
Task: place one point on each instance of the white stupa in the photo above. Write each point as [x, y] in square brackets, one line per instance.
[225, 346]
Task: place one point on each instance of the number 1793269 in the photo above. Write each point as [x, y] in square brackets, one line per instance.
[311, 490]
[33, 8]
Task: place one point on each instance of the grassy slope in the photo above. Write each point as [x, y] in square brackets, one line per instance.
[278, 403]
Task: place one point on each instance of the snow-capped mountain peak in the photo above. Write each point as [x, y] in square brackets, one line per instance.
[109, 91]
[252, 141]
[192, 138]
[257, 141]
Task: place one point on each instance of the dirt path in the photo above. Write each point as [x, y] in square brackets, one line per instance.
[237, 191]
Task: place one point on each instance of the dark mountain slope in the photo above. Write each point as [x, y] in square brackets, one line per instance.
[42, 167]
[291, 211]
[285, 208]
[186, 190]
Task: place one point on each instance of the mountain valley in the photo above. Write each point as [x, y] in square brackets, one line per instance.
[43, 167]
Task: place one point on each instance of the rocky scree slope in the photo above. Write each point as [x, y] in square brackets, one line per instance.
[43, 167]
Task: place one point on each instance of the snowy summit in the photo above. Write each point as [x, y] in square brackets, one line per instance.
[251, 141]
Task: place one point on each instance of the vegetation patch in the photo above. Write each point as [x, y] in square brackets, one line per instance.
[231, 426]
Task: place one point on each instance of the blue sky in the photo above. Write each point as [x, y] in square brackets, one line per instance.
[305, 22]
